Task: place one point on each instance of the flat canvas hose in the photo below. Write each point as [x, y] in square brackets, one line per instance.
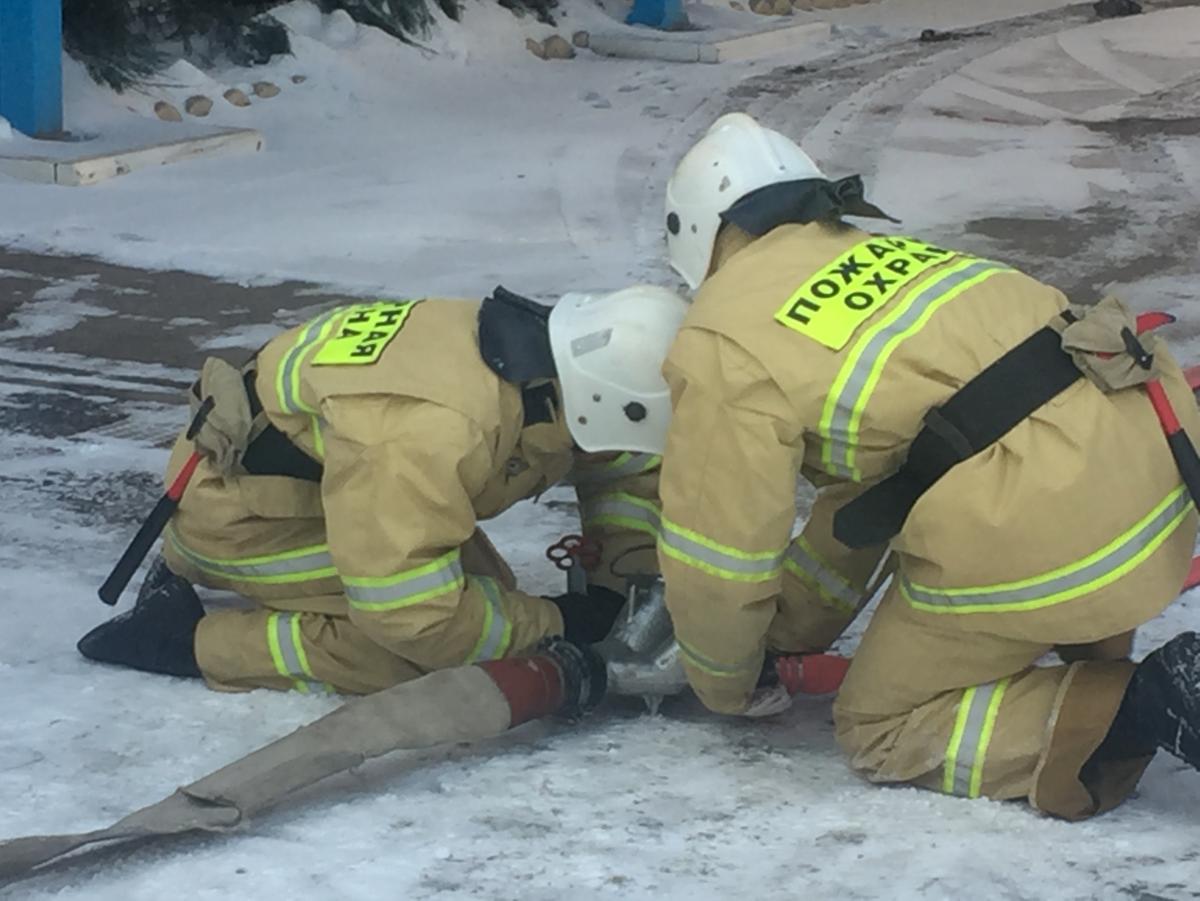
[468, 703]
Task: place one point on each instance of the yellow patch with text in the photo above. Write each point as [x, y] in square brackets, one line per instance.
[857, 285]
[363, 332]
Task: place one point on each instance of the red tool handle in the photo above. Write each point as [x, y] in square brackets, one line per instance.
[154, 524]
[140, 546]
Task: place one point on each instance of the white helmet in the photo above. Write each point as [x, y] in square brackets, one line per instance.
[609, 351]
[735, 157]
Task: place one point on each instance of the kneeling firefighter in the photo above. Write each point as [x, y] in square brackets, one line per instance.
[345, 468]
[939, 403]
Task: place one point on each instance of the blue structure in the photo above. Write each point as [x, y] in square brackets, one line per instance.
[667, 15]
[31, 65]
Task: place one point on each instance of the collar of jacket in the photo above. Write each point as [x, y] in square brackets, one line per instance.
[800, 202]
[514, 339]
[544, 433]
[540, 402]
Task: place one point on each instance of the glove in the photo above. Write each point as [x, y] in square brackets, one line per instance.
[588, 618]
[768, 700]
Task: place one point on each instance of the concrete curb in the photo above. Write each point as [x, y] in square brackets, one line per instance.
[683, 47]
[74, 165]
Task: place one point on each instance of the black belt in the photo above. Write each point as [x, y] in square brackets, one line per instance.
[978, 415]
[272, 453]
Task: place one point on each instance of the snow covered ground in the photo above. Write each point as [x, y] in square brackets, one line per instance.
[1074, 153]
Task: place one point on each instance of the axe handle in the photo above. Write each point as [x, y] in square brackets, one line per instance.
[150, 529]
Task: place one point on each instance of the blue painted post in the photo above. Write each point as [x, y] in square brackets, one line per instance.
[31, 65]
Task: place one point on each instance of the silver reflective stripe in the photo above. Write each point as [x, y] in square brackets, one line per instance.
[287, 649]
[624, 465]
[970, 740]
[289, 401]
[622, 509]
[286, 636]
[840, 433]
[289, 566]
[496, 629]
[1069, 584]
[403, 590]
[806, 563]
[744, 566]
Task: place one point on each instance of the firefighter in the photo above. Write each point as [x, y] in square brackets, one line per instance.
[937, 401]
[345, 470]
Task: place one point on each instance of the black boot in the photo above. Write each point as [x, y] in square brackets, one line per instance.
[1161, 707]
[156, 636]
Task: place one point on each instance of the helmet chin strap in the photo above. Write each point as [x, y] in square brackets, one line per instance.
[800, 202]
[513, 338]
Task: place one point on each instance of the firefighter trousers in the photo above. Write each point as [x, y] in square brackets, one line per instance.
[297, 635]
[973, 704]
[969, 703]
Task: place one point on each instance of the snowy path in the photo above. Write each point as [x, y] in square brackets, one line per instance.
[553, 182]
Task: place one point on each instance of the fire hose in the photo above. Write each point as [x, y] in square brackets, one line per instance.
[468, 703]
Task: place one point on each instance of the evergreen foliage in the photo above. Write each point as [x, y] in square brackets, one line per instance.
[124, 42]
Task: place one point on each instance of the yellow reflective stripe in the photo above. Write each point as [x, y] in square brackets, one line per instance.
[711, 667]
[496, 634]
[966, 753]
[1095, 571]
[407, 587]
[273, 644]
[851, 391]
[628, 463]
[803, 560]
[716, 559]
[287, 375]
[318, 439]
[287, 653]
[621, 509]
[299, 565]
[955, 745]
[625, 464]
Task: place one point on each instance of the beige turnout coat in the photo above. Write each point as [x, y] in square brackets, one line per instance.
[376, 573]
[817, 350]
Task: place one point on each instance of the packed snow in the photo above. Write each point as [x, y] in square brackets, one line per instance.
[447, 169]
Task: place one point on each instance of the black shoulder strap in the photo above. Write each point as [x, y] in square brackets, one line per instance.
[977, 416]
[272, 453]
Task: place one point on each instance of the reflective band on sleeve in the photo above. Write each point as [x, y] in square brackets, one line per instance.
[802, 560]
[864, 364]
[301, 565]
[403, 589]
[973, 727]
[720, 560]
[497, 631]
[1105, 566]
[287, 653]
[712, 667]
[287, 376]
[623, 510]
[625, 464]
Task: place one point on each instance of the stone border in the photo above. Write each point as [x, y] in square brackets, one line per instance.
[88, 169]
